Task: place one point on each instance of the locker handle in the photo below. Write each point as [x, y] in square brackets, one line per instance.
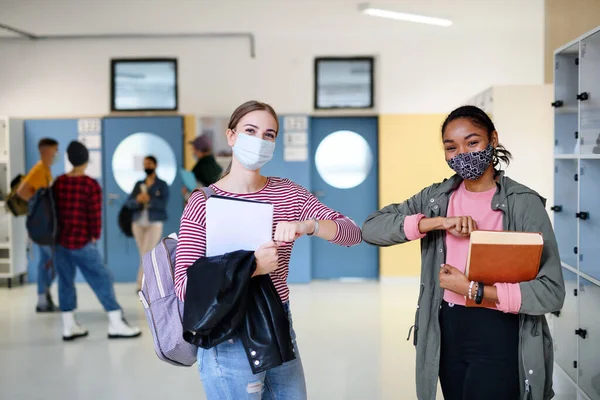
[556, 208]
[581, 333]
[583, 215]
[583, 96]
[557, 103]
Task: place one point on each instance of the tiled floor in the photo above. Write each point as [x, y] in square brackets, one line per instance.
[352, 338]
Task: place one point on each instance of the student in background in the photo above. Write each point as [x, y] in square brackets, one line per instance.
[148, 201]
[79, 211]
[251, 133]
[499, 353]
[206, 170]
[40, 177]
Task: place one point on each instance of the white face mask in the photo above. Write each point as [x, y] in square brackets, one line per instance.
[253, 152]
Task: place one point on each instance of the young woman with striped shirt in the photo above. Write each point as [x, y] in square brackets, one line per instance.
[252, 131]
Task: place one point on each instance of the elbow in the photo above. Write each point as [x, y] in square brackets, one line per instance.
[373, 234]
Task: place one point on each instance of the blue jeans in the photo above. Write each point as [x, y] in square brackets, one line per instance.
[226, 374]
[45, 275]
[94, 271]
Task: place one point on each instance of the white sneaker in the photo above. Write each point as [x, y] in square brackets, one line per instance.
[71, 329]
[118, 328]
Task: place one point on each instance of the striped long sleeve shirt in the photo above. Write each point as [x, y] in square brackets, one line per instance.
[291, 202]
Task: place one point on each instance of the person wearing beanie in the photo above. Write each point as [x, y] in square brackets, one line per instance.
[78, 201]
[206, 171]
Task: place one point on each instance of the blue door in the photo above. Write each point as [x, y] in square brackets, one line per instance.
[298, 172]
[345, 177]
[126, 142]
[64, 131]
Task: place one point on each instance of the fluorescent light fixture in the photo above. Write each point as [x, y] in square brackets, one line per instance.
[421, 19]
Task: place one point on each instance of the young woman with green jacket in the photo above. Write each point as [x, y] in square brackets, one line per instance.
[503, 352]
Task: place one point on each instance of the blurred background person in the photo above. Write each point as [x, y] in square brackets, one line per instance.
[78, 200]
[206, 170]
[40, 176]
[148, 201]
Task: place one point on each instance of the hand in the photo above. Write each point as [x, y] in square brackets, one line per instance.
[459, 226]
[142, 198]
[287, 232]
[184, 191]
[453, 280]
[266, 259]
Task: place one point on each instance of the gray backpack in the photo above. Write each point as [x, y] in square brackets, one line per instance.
[164, 310]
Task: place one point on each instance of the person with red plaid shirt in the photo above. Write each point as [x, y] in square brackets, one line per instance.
[78, 201]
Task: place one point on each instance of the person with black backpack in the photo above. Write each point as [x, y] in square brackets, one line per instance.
[40, 177]
[79, 214]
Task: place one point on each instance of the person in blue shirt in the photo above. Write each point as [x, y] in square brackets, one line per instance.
[148, 201]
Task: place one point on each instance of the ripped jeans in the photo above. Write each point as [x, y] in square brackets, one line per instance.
[226, 374]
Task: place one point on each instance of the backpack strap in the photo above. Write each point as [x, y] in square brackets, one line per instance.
[206, 191]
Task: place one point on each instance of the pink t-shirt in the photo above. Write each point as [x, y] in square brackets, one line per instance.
[477, 206]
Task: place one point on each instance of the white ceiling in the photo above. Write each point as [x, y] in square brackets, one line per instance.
[263, 17]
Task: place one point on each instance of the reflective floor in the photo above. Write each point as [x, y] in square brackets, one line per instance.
[352, 338]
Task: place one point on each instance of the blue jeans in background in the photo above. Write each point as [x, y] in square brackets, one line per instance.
[94, 271]
[45, 274]
[226, 374]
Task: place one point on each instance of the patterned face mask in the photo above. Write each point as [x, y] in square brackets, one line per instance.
[471, 166]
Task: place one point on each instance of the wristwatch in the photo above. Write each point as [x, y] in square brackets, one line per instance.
[316, 227]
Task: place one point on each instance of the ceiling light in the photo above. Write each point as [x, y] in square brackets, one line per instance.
[421, 19]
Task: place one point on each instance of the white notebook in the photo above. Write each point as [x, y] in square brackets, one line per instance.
[236, 224]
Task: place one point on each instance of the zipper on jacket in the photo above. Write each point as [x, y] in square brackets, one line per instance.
[415, 327]
[527, 385]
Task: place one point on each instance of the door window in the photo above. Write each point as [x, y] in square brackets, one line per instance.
[344, 159]
[128, 159]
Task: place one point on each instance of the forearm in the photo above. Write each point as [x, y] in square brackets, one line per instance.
[490, 293]
[431, 224]
[327, 229]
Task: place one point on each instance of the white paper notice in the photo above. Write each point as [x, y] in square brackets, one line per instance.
[296, 139]
[89, 125]
[295, 123]
[94, 169]
[296, 154]
[91, 141]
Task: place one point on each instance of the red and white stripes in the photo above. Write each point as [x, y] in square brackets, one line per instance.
[291, 202]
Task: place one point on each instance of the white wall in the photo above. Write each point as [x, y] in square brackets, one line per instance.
[524, 120]
[419, 69]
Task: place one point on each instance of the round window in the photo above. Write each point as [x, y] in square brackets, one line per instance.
[128, 159]
[344, 159]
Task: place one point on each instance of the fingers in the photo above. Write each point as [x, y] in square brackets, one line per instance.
[470, 224]
[464, 225]
[268, 245]
[286, 232]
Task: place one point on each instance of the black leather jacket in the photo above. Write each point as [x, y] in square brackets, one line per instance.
[223, 300]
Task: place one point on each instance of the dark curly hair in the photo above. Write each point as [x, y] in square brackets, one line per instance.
[479, 118]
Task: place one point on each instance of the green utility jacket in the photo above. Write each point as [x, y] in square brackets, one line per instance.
[523, 210]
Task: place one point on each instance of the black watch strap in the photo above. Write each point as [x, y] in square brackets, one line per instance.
[479, 296]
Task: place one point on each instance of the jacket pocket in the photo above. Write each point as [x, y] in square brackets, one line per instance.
[415, 327]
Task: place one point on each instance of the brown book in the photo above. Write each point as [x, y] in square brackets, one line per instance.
[500, 256]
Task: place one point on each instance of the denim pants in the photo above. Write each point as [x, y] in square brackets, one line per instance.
[45, 274]
[94, 271]
[226, 374]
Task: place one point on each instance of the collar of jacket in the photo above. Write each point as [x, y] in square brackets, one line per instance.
[506, 187]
